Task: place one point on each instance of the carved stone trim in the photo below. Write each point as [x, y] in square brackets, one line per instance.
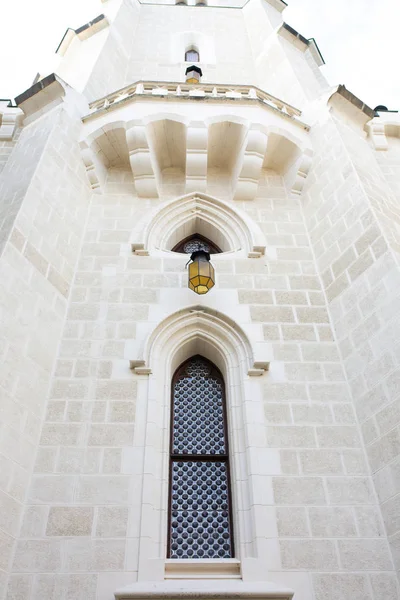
[172, 590]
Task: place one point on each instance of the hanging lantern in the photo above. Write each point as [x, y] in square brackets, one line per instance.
[193, 74]
[201, 272]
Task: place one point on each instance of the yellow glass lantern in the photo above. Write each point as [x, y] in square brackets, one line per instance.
[193, 74]
[201, 272]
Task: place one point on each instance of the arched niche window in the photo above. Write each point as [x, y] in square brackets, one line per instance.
[196, 242]
[200, 524]
[192, 55]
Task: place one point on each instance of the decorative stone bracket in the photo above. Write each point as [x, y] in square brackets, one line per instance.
[95, 170]
[296, 177]
[10, 117]
[383, 127]
[139, 367]
[140, 158]
[259, 368]
[140, 250]
[243, 151]
[249, 176]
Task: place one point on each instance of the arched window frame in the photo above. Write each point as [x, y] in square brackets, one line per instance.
[194, 51]
[199, 329]
[224, 458]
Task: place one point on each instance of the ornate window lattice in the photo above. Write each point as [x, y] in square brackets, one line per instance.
[200, 503]
[196, 242]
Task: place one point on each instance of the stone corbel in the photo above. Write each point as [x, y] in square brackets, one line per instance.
[95, 170]
[259, 368]
[377, 132]
[139, 367]
[141, 164]
[139, 249]
[296, 176]
[249, 176]
[257, 252]
[9, 119]
[196, 157]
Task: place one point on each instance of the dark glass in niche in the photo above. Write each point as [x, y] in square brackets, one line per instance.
[196, 242]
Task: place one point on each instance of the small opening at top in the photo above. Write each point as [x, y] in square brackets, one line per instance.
[192, 55]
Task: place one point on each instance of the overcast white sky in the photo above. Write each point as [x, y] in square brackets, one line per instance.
[359, 40]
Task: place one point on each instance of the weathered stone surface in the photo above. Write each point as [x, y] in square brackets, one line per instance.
[97, 315]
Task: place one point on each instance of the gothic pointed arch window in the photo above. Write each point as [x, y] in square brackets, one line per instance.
[196, 242]
[192, 55]
[200, 514]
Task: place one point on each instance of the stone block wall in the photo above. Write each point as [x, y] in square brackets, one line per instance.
[322, 529]
[389, 162]
[346, 208]
[108, 74]
[49, 194]
[148, 42]
[78, 480]
[6, 147]
[18, 172]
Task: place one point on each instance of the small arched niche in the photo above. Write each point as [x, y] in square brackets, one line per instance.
[227, 228]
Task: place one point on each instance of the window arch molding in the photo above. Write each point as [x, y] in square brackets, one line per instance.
[227, 227]
[216, 337]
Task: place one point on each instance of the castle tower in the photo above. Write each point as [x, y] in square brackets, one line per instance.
[240, 442]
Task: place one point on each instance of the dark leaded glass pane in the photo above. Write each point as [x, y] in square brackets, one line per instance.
[200, 518]
[194, 245]
[198, 422]
[200, 510]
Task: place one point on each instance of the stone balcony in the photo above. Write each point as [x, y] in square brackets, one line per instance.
[239, 133]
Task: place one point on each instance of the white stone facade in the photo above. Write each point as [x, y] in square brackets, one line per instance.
[105, 167]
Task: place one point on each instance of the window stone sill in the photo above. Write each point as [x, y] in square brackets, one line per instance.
[202, 569]
[206, 589]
